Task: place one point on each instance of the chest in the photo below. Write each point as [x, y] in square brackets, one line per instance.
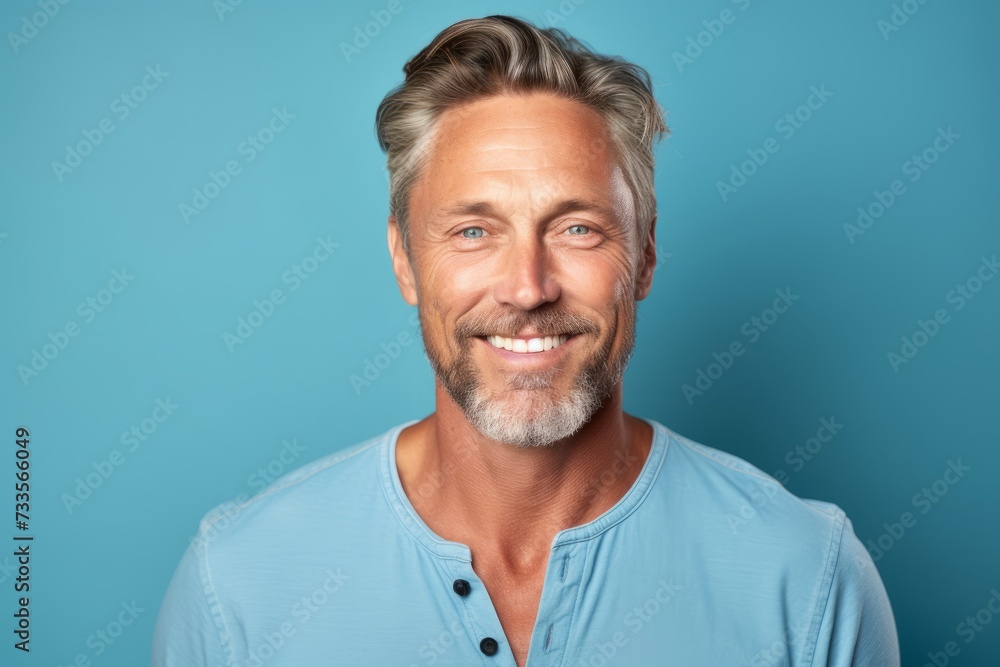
[632, 609]
[516, 600]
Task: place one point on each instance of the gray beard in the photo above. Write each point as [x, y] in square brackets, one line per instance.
[533, 418]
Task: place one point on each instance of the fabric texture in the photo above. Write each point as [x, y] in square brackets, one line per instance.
[705, 561]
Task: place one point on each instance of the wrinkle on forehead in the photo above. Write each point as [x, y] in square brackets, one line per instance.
[527, 152]
[488, 124]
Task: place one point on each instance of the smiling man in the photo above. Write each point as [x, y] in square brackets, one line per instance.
[528, 520]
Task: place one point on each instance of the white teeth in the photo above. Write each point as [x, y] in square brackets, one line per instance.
[528, 346]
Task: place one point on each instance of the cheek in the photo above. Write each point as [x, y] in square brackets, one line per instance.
[595, 280]
[449, 275]
[450, 288]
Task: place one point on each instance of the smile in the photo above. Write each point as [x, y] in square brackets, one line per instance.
[528, 345]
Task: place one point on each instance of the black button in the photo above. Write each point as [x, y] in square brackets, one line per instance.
[488, 646]
[461, 587]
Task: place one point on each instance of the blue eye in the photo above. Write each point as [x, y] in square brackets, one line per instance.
[578, 227]
[473, 233]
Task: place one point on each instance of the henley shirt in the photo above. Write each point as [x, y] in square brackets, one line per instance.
[705, 561]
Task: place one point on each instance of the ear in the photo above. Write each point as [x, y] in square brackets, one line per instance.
[647, 264]
[401, 263]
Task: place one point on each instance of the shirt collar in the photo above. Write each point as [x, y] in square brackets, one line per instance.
[415, 525]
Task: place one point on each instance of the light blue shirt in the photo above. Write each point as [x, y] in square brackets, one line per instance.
[706, 561]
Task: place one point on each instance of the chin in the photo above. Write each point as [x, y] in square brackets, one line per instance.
[538, 423]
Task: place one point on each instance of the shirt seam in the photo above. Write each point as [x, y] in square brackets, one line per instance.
[396, 505]
[750, 473]
[823, 603]
[629, 511]
[576, 604]
[236, 509]
[211, 597]
[416, 538]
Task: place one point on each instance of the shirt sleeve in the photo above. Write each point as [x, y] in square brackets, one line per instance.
[857, 627]
[190, 628]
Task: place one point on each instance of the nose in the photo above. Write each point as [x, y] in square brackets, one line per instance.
[526, 278]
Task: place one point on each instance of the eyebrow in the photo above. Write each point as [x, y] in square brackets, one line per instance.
[486, 209]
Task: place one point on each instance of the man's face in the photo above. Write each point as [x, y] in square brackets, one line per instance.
[525, 264]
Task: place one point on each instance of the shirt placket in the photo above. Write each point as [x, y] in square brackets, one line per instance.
[557, 607]
[478, 616]
[555, 610]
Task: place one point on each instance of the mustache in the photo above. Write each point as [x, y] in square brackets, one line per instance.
[510, 323]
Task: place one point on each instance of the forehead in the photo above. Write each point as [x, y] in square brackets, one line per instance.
[539, 148]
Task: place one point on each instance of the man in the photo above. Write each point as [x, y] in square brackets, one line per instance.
[529, 520]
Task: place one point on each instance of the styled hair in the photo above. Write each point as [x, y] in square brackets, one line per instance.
[478, 58]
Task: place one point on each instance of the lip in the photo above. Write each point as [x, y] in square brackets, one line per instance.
[530, 359]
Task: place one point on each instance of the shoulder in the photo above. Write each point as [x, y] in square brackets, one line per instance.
[250, 553]
[326, 490]
[749, 500]
[760, 536]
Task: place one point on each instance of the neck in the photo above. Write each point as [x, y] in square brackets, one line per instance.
[512, 501]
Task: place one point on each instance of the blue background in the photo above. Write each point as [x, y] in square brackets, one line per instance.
[722, 258]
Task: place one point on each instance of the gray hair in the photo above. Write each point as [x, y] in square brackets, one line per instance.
[478, 58]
